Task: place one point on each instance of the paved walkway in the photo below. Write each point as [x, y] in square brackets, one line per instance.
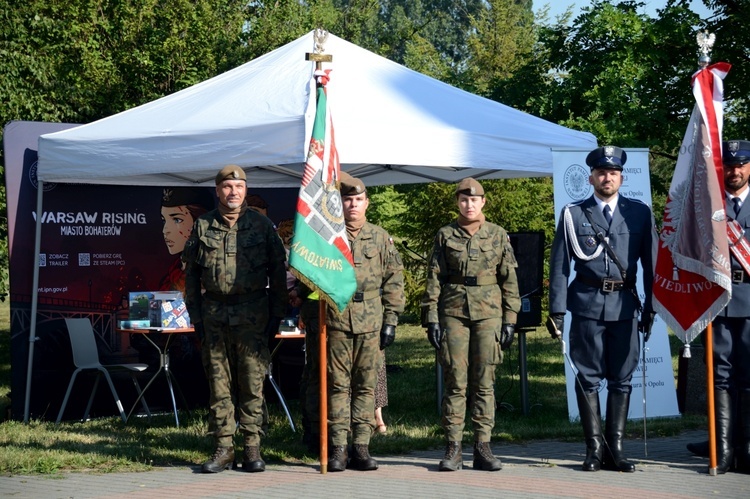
[539, 469]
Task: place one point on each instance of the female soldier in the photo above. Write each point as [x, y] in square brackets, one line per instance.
[469, 309]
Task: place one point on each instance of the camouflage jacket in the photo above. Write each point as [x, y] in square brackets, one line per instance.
[242, 261]
[472, 277]
[380, 284]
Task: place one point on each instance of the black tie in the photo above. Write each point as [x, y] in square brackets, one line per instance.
[737, 206]
[607, 214]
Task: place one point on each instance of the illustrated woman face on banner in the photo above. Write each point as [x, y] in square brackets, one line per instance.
[180, 207]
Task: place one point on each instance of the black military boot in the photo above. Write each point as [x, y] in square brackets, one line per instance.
[617, 416]
[360, 458]
[590, 414]
[724, 429]
[452, 461]
[338, 458]
[743, 449]
[251, 460]
[222, 459]
[483, 458]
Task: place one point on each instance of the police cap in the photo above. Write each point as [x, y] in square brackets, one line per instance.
[735, 152]
[350, 186]
[230, 172]
[607, 157]
[470, 187]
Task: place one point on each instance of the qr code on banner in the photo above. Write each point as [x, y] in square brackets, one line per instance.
[84, 259]
[42, 259]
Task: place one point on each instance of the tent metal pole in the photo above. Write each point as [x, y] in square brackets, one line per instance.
[34, 298]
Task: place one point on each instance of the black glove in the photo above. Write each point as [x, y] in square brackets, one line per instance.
[434, 334]
[273, 326]
[200, 331]
[506, 336]
[555, 325]
[387, 335]
[645, 324]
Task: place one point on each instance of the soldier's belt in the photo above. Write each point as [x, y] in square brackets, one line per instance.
[361, 296]
[472, 280]
[234, 299]
[739, 276]
[606, 285]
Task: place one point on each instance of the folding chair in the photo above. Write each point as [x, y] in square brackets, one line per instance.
[86, 358]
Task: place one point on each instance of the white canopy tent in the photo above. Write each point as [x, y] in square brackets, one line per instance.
[393, 126]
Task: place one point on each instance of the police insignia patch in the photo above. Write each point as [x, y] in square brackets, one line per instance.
[590, 242]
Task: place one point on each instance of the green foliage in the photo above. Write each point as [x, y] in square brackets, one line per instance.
[500, 43]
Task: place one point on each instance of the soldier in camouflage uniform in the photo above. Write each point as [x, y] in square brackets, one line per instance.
[469, 309]
[355, 337]
[235, 255]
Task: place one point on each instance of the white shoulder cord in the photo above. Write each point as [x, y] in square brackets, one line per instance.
[573, 241]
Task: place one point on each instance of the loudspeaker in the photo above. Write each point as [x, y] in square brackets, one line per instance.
[529, 250]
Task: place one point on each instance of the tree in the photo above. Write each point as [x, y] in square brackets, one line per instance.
[83, 60]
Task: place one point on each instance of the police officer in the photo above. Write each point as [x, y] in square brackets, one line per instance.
[469, 308]
[354, 337]
[235, 255]
[602, 234]
[731, 328]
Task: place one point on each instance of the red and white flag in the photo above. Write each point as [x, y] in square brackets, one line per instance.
[692, 281]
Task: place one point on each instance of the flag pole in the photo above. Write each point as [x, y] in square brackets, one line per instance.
[323, 395]
[712, 464]
[319, 59]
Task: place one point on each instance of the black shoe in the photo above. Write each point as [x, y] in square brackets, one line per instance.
[222, 459]
[483, 458]
[338, 459]
[312, 443]
[452, 461]
[251, 460]
[699, 449]
[361, 459]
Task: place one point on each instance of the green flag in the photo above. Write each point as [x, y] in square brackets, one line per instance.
[320, 255]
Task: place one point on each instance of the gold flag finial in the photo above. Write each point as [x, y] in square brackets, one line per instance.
[320, 35]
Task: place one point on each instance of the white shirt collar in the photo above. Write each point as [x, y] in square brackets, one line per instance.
[612, 204]
[742, 195]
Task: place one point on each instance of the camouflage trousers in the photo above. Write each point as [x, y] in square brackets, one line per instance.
[469, 353]
[353, 361]
[235, 359]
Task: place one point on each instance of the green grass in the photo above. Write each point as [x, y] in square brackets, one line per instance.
[106, 445]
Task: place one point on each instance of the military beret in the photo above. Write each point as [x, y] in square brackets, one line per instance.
[735, 152]
[470, 187]
[183, 196]
[607, 157]
[230, 172]
[350, 186]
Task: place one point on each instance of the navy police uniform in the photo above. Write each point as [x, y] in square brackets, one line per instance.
[731, 335]
[604, 340]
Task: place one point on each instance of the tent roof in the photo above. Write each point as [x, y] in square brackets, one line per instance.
[393, 125]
